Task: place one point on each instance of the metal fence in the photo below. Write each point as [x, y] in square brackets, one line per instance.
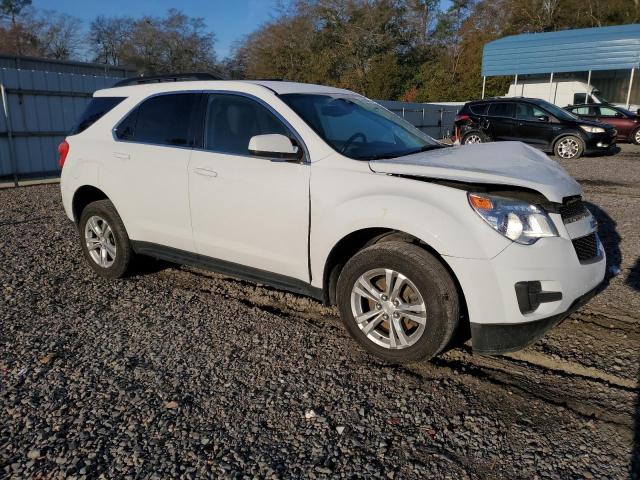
[435, 119]
[38, 109]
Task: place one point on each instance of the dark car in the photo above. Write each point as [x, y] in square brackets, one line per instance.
[536, 122]
[624, 121]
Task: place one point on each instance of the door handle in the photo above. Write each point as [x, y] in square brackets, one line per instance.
[124, 156]
[205, 172]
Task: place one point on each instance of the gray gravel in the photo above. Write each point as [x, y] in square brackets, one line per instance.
[177, 372]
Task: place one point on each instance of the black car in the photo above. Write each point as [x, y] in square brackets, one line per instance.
[536, 122]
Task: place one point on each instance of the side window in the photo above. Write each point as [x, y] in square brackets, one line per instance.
[479, 109]
[231, 121]
[582, 110]
[609, 112]
[96, 109]
[526, 111]
[579, 98]
[160, 120]
[501, 109]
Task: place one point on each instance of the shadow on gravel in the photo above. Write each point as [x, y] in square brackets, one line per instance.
[610, 239]
[633, 279]
[148, 266]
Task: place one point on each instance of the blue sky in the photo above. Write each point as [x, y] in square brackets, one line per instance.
[230, 20]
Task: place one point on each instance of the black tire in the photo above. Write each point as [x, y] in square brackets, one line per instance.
[429, 276]
[124, 253]
[469, 137]
[558, 147]
[635, 136]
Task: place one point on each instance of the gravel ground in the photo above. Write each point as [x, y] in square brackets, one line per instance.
[178, 372]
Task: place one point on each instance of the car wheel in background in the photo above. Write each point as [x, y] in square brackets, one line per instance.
[635, 136]
[398, 301]
[104, 240]
[569, 147]
[473, 137]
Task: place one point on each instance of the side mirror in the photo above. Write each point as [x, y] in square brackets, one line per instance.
[275, 145]
[543, 118]
[638, 111]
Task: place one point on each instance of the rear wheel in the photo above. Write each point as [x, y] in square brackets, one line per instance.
[473, 137]
[569, 147]
[104, 240]
[635, 136]
[398, 301]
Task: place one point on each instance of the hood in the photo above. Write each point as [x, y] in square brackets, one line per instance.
[501, 163]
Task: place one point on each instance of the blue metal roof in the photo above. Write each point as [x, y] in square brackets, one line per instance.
[580, 50]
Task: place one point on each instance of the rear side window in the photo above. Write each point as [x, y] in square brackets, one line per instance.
[501, 109]
[160, 120]
[479, 109]
[96, 109]
[584, 110]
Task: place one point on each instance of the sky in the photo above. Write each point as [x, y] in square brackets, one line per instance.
[230, 20]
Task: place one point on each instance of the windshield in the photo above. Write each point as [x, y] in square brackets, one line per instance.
[598, 96]
[556, 111]
[359, 128]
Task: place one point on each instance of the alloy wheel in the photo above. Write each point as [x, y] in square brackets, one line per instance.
[388, 308]
[100, 241]
[473, 138]
[568, 148]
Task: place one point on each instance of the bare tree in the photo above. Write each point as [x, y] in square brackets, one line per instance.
[109, 38]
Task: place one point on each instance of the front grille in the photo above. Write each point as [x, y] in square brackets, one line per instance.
[573, 211]
[586, 247]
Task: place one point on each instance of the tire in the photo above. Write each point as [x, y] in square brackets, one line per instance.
[422, 272]
[114, 242]
[569, 147]
[473, 137]
[635, 136]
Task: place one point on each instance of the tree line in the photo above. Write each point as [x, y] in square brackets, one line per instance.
[412, 50]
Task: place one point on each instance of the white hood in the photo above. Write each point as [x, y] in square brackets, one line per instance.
[503, 163]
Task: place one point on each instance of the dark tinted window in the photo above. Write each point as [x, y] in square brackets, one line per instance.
[479, 109]
[233, 119]
[502, 109]
[161, 120]
[579, 98]
[94, 111]
[526, 111]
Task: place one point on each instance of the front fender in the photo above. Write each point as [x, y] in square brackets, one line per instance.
[439, 216]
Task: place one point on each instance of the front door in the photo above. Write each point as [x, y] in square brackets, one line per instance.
[245, 209]
[533, 125]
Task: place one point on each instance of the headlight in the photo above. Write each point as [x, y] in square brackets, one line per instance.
[515, 219]
[590, 129]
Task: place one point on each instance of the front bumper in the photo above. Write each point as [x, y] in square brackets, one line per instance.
[494, 339]
[600, 142]
[498, 322]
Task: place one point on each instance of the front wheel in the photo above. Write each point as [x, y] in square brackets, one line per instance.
[398, 301]
[635, 136]
[569, 147]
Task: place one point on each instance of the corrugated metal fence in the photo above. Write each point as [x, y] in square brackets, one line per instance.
[38, 109]
[434, 119]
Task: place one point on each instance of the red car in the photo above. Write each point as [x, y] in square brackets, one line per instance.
[627, 123]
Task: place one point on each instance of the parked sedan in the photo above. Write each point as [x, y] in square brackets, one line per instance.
[536, 122]
[624, 121]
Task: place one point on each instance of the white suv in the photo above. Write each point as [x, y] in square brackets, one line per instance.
[323, 192]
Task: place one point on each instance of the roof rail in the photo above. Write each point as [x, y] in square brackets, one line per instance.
[171, 77]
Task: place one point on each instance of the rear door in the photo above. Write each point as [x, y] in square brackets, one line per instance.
[501, 120]
[533, 125]
[146, 169]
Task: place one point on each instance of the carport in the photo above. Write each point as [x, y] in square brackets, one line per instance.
[580, 50]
